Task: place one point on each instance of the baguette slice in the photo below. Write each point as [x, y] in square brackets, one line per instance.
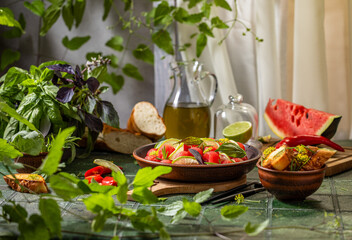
[146, 120]
[30, 182]
[120, 140]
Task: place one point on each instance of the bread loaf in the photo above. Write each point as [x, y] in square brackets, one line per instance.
[29, 182]
[145, 119]
[120, 140]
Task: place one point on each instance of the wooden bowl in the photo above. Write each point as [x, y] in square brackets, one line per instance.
[201, 173]
[291, 185]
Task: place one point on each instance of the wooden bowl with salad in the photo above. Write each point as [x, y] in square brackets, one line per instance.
[199, 159]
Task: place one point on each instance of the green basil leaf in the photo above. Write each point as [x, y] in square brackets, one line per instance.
[67, 14]
[144, 195]
[51, 162]
[191, 141]
[132, 71]
[115, 43]
[8, 151]
[115, 81]
[255, 229]
[50, 211]
[34, 228]
[75, 43]
[218, 23]
[122, 187]
[7, 18]
[232, 150]
[37, 7]
[223, 4]
[50, 17]
[28, 142]
[99, 201]
[204, 28]
[78, 11]
[8, 57]
[233, 211]
[145, 177]
[163, 40]
[202, 196]
[192, 208]
[52, 109]
[201, 43]
[64, 188]
[107, 7]
[142, 52]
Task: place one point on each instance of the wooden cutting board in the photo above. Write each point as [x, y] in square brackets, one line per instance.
[340, 162]
[163, 187]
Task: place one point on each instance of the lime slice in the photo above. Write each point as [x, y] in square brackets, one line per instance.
[187, 160]
[178, 149]
[207, 142]
[238, 131]
[170, 141]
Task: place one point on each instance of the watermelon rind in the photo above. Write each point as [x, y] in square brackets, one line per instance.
[327, 129]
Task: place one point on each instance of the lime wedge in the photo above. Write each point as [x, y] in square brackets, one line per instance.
[170, 141]
[238, 131]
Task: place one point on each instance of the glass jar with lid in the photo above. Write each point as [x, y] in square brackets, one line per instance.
[235, 111]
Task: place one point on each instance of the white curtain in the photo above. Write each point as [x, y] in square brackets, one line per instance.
[305, 56]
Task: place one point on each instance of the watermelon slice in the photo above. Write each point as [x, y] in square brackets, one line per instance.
[288, 119]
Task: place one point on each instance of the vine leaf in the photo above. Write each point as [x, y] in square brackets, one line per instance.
[51, 214]
[75, 43]
[50, 16]
[223, 4]
[115, 43]
[78, 11]
[107, 7]
[7, 19]
[37, 7]
[142, 52]
[201, 43]
[8, 57]
[218, 23]
[204, 28]
[163, 40]
[233, 211]
[132, 71]
[67, 14]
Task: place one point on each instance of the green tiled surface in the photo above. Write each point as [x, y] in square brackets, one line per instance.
[313, 218]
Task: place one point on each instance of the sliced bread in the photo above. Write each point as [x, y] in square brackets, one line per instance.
[25, 182]
[146, 120]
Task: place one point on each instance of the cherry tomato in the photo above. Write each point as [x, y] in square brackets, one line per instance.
[97, 170]
[108, 181]
[212, 157]
[97, 177]
[168, 149]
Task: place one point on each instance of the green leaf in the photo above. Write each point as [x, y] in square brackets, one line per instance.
[180, 14]
[99, 220]
[127, 4]
[202, 196]
[192, 208]
[144, 220]
[164, 235]
[172, 209]
[122, 187]
[145, 177]
[206, 9]
[115, 81]
[132, 71]
[201, 43]
[34, 228]
[144, 195]
[50, 211]
[107, 7]
[16, 213]
[28, 142]
[16, 32]
[75, 43]
[194, 18]
[51, 15]
[7, 18]
[37, 7]
[67, 14]
[204, 28]
[163, 40]
[114, 60]
[253, 230]
[8, 151]
[12, 113]
[91, 55]
[108, 114]
[223, 4]
[161, 11]
[97, 202]
[193, 3]
[232, 150]
[142, 52]
[115, 43]
[78, 11]
[64, 187]
[181, 214]
[51, 162]
[8, 57]
[218, 23]
[233, 211]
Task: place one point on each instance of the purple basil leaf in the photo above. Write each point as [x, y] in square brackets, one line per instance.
[66, 80]
[93, 84]
[108, 113]
[64, 94]
[78, 77]
[62, 68]
[55, 80]
[93, 123]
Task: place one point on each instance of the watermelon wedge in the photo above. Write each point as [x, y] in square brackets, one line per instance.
[288, 119]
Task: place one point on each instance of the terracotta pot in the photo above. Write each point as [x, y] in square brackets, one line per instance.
[291, 185]
[201, 173]
[32, 163]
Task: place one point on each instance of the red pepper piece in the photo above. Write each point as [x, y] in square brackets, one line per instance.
[97, 170]
[309, 140]
[96, 177]
[109, 181]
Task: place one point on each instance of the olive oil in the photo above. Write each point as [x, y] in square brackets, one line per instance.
[187, 119]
